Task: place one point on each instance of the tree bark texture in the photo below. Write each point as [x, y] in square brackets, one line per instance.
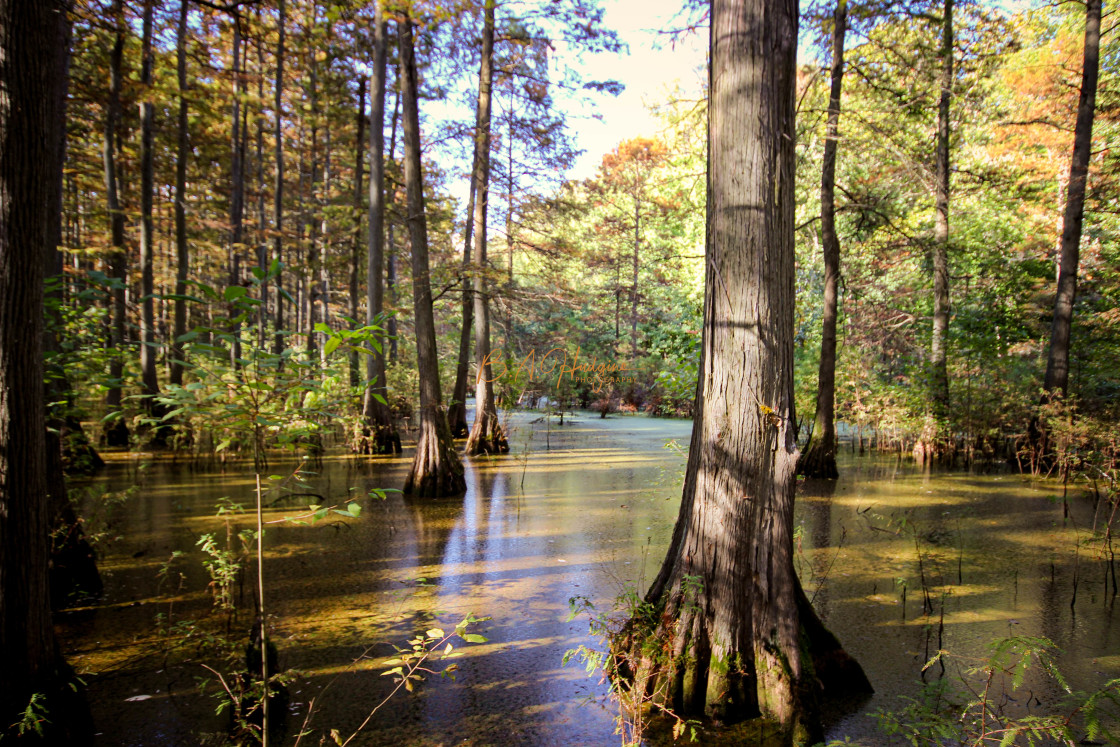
[1057, 362]
[238, 137]
[73, 566]
[457, 411]
[278, 196]
[819, 459]
[939, 374]
[29, 660]
[436, 468]
[182, 256]
[116, 433]
[381, 435]
[148, 350]
[352, 278]
[725, 634]
[486, 436]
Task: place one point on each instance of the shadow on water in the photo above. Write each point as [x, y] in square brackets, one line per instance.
[588, 516]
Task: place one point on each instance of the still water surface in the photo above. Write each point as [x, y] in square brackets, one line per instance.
[583, 509]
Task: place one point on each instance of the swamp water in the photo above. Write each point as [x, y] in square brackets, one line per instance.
[586, 508]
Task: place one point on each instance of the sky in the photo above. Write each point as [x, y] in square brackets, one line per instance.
[654, 68]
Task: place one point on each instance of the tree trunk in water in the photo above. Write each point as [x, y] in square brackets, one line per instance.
[182, 258]
[634, 279]
[819, 460]
[116, 433]
[278, 196]
[939, 374]
[380, 434]
[486, 436]
[29, 131]
[436, 469]
[457, 412]
[1057, 362]
[73, 566]
[356, 237]
[237, 193]
[148, 379]
[391, 249]
[727, 619]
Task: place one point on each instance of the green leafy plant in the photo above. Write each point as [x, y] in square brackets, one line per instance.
[979, 707]
[636, 706]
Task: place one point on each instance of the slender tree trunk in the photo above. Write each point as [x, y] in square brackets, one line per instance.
[314, 260]
[391, 248]
[939, 375]
[1057, 362]
[457, 411]
[278, 196]
[436, 469]
[356, 238]
[148, 350]
[262, 211]
[634, 279]
[486, 436]
[29, 132]
[727, 625]
[237, 189]
[819, 460]
[380, 433]
[116, 433]
[182, 257]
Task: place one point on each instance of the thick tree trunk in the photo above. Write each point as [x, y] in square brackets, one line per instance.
[939, 375]
[819, 459]
[436, 469]
[148, 350]
[116, 433]
[73, 564]
[486, 436]
[380, 433]
[182, 256]
[29, 131]
[278, 191]
[727, 620]
[1057, 362]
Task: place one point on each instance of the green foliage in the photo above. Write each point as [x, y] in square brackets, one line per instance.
[630, 618]
[985, 704]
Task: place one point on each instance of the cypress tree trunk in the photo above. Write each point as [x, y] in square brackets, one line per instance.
[819, 460]
[486, 436]
[1057, 362]
[457, 412]
[937, 438]
[727, 620]
[278, 191]
[116, 433]
[356, 237]
[380, 434]
[29, 133]
[436, 469]
[182, 257]
[238, 136]
[149, 381]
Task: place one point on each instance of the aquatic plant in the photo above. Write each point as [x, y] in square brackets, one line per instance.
[984, 703]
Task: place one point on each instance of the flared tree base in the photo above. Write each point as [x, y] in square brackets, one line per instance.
[667, 656]
[457, 420]
[436, 469]
[487, 436]
[818, 462]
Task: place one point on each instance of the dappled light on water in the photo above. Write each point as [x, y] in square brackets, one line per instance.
[899, 564]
